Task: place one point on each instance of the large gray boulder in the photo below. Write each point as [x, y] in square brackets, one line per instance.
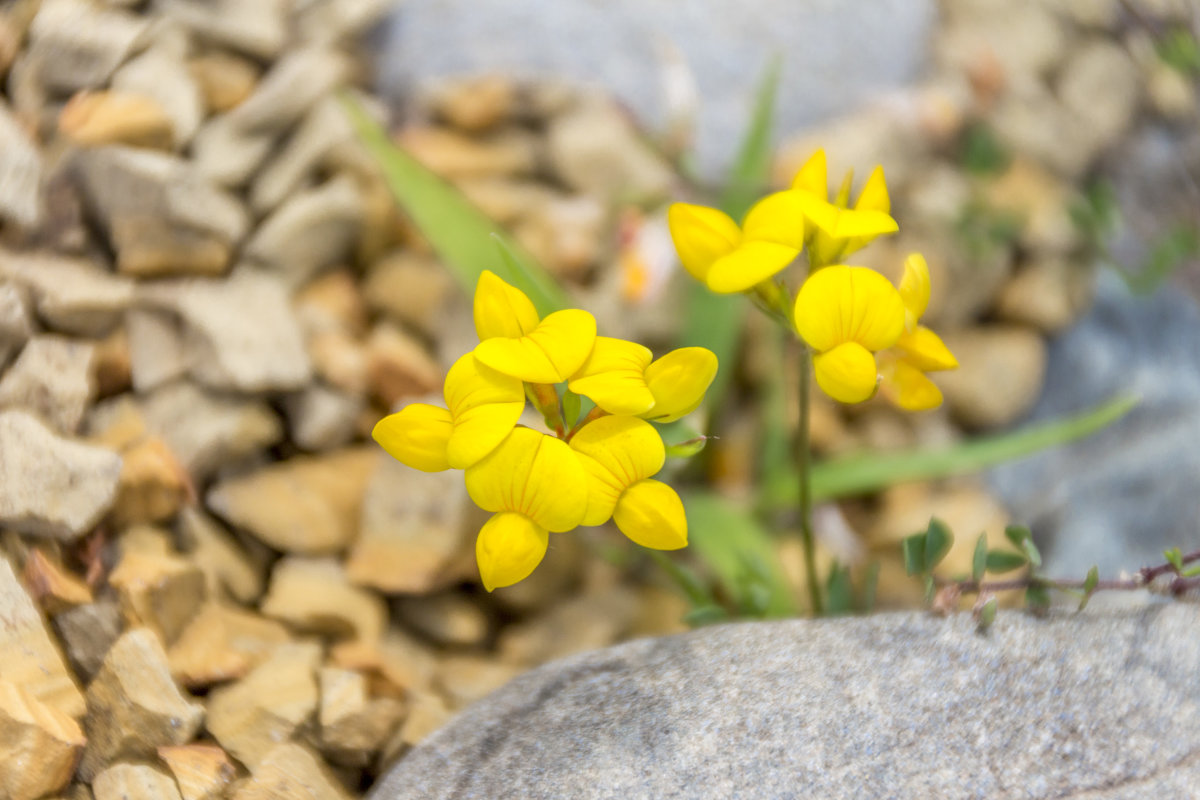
[1101, 705]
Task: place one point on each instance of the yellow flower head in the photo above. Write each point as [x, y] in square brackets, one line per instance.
[729, 259]
[620, 454]
[536, 484]
[918, 350]
[846, 315]
[514, 341]
[482, 407]
[620, 378]
[835, 230]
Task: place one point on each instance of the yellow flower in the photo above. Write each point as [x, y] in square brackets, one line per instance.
[846, 315]
[620, 378]
[514, 341]
[483, 406]
[535, 484]
[835, 230]
[918, 350]
[620, 454]
[729, 259]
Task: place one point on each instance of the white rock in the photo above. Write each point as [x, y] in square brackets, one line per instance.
[290, 88]
[330, 21]
[321, 418]
[134, 782]
[322, 129]
[69, 294]
[15, 323]
[258, 28]
[76, 45]
[157, 352]
[20, 173]
[227, 155]
[51, 486]
[161, 74]
[1100, 85]
[240, 333]
[310, 232]
[52, 379]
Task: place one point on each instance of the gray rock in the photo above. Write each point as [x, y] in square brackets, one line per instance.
[836, 55]
[894, 705]
[70, 295]
[239, 333]
[162, 217]
[1101, 85]
[16, 326]
[321, 418]
[290, 88]
[258, 29]
[87, 631]
[52, 379]
[51, 486]
[311, 231]
[1121, 496]
[76, 45]
[161, 74]
[323, 128]
[157, 352]
[20, 174]
[227, 155]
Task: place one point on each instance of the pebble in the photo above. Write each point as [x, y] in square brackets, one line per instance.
[314, 595]
[53, 588]
[225, 563]
[201, 771]
[566, 235]
[463, 679]
[1101, 87]
[224, 79]
[449, 619]
[92, 119]
[398, 366]
[321, 418]
[78, 45]
[223, 643]
[87, 632]
[474, 104]
[69, 295]
[38, 744]
[293, 85]
[1048, 294]
[227, 155]
[414, 525]
[999, 376]
[274, 703]
[289, 771]
[308, 505]
[332, 302]
[153, 485]
[134, 782]
[586, 622]
[51, 379]
[240, 333]
[311, 231]
[322, 129]
[1040, 201]
[506, 153]
[134, 705]
[160, 215]
[158, 591]
[328, 21]
[161, 75]
[257, 29]
[20, 174]
[353, 726]
[16, 326]
[52, 486]
[411, 288]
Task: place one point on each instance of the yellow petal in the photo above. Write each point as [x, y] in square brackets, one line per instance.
[614, 378]
[616, 452]
[914, 288]
[484, 406]
[874, 195]
[701, 236]
[502, 309]
[926, 351]
[842, 199]
[777, 218]
[812, 177]
[416, 435]
[552, 352]
[840, 304]
[845, 223]
[535, 475]
[651, 514]
[908, 388]
[751, 263]
[508, 548]
[678, 382]
[847, 373]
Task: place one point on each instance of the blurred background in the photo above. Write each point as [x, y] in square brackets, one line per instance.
[211, 289]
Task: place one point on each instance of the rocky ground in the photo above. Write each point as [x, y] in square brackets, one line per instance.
[213, 584]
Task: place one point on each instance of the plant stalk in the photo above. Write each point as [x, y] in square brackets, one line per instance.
[804, 466]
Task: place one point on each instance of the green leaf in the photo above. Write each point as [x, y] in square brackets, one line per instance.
[688, 448]
[571, 406]
[1191, 572]
[463, 237]
[1005, 560]
[1037, 598]
[1031, 552]
[869, 472]
[839, 591]
[1174, 557]
[986, 614]
[1017, 534]
[982, 152]
[712, 320]
[727, 537]
[705, 615]
[1089, 586]
[913, 548]
[870, 587]
[979, 559]
[938, 541]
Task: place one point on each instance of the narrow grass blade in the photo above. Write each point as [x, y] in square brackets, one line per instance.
[465, 239]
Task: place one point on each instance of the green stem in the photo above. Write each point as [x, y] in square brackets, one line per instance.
[804, 465]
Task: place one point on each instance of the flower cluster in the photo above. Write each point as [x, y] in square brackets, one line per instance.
[597, 466]
[864, 332]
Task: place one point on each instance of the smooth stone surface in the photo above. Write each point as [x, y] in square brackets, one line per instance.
[1117, 498]
[1102, 706]
[836, 55]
